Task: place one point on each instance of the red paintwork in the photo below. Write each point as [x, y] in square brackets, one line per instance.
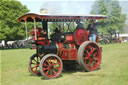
[92, 56]
[80, 35]
[69, 54]
[59, 48]
[65, 54]
[73, 54]
[43, 42]
[72, 45]
[32, 32]
[69, 38]
[51, 67]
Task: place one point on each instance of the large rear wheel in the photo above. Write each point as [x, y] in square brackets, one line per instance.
[50, 66]
[89, 56]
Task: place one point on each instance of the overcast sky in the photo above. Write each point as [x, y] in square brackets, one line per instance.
[65, 6]
[62, 6]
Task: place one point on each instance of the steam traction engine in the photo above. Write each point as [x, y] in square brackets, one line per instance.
[62, 50]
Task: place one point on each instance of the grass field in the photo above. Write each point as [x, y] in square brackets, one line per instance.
[114, 69]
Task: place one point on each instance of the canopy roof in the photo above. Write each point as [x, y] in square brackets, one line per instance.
[29, 17]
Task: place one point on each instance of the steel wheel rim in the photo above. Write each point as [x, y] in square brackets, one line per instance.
[91, 57]
[51, 67]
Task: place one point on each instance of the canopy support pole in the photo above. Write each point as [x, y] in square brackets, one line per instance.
[26, 29]
[45, 27]
[35, 29]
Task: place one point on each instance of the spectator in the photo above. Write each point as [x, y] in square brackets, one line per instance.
[92, 31]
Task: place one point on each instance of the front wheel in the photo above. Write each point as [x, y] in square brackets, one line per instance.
[33, 64]
[51, 66]
[89, 56]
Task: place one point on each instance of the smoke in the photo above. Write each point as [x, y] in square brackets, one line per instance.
[67, 7]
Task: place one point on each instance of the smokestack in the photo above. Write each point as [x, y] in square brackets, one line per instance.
[43, 11]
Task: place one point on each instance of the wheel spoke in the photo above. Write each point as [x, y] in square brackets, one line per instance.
[50, 59]
[88, 54]
[32, 63]
[94, 50]
[95, 59]
[48, 62]
[36, 68]
[33, 67]
[89, 63]
[95, 54]
[45, 64]
[45, 68]
[47, 72]
[86, 58]
[51, 72]
[57, 63]
[53, 62]
[54, 72]
[90, 47]
[37, 65]
[34, 60]
[96, 63]
[56, 67]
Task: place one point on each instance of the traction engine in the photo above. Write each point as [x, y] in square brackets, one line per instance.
[64, 50]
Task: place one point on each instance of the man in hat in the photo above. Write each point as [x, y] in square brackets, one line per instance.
[92, 31]
[79, 24]
[55, 36]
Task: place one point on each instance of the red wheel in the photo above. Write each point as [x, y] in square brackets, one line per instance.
[51, 66]
[89, 56]
[33, 64]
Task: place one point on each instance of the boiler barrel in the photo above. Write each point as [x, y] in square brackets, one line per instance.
[48, 49]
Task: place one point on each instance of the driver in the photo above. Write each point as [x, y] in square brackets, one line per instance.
[55, 36]
[79, 25]
[42, 32]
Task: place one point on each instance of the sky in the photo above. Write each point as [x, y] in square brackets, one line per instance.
[60, 5]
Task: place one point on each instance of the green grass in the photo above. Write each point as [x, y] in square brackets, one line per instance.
[114, 69]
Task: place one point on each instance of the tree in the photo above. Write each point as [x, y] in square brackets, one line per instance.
[115, 19]
[10, 29]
